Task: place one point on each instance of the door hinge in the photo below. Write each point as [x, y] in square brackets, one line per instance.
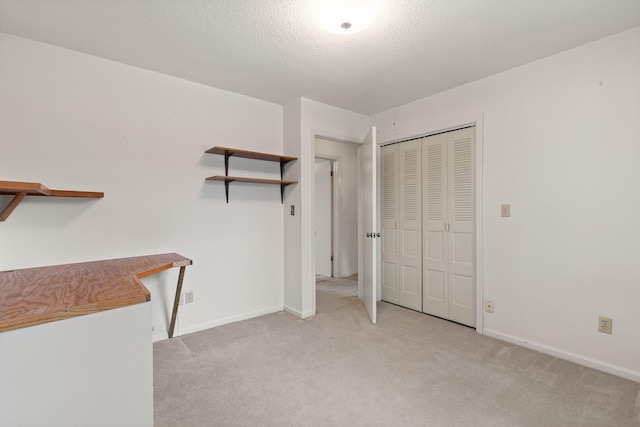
[331, 173]
[446, 226]
[331, 258]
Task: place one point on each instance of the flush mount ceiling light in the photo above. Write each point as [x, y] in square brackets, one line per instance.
[346, 16]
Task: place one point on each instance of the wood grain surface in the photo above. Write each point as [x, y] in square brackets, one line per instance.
[33, 188]
[33, 296]
[226, 151]
[21, 189]
[254, 180]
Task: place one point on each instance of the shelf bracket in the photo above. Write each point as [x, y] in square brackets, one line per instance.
[15, 201]
[226, 173]
[226, 167]
[176, 301]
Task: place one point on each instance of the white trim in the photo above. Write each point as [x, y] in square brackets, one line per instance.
[298, 313]
[422, 131]
[160, 337]
[359, 225]
[478, 226]
[336, 219]
[565, 355]
[207, 325]
[293, 311]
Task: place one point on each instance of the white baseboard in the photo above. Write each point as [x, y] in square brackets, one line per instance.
[344, 276]
[160, 336]
[306, 314]
[619, 371]
[293, 311]
[219, 322]
[298, 313]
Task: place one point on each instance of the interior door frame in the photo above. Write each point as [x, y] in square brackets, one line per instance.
[450, 125]
[321, 134]
[335, 213]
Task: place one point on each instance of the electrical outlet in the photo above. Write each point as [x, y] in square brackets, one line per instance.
[488, 306]
[605, 324]
[505, 210]
[188, 297]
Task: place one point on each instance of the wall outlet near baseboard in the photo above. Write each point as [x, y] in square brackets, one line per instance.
[605, 324]
[489, 306]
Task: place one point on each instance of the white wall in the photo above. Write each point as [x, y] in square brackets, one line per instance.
[303, 121]
[346, 176]
[73, 121]
[561, 145]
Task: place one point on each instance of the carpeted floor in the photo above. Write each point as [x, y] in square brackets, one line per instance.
[337, 369]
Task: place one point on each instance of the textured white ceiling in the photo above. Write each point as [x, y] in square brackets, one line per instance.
[273, 50]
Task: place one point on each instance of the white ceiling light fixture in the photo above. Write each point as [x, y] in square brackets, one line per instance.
[345, 16]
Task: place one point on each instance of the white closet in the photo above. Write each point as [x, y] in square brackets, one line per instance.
[428, 189]
[401, 217]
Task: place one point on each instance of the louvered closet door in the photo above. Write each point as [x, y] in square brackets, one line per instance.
[410, 245]
[461, 230]
[435, 243]
[401, 223]
[389, 221]
[448, 218]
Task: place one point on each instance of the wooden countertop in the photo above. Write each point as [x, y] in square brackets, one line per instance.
[33, 296]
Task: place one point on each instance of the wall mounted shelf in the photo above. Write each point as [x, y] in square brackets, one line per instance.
[33, 296]
[233, 152]
[19, 190]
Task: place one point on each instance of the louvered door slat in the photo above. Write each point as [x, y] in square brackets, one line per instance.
[389, 241]
[435, 243]
[409, 242]
[461, 279]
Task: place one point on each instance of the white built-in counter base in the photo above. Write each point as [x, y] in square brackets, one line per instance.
[93, 370]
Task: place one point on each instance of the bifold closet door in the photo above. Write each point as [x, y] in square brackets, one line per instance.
[401, 224]
[389, 219]
[448, 225]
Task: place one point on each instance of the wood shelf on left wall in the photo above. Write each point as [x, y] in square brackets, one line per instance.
[19, 190]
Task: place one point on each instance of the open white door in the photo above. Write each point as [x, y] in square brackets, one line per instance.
[369, 235]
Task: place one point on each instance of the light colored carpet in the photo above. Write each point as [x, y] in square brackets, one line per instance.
[337, 369]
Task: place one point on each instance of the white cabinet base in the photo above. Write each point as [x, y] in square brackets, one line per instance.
[93, 370]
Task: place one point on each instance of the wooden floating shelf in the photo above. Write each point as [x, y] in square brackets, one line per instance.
[19, 190]
[234, 152]
[33, 296]
[225, 151]
[254, 180]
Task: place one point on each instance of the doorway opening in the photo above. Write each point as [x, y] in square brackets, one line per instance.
[335, 219]
[340, 209]
[324, 230]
